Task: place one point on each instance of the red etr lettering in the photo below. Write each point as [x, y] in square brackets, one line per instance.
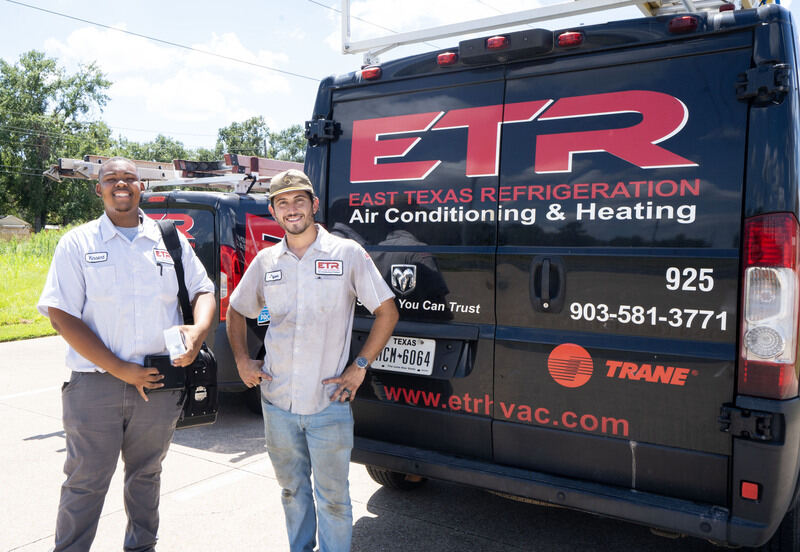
[368, 148]
[483, 136]
[663, 116]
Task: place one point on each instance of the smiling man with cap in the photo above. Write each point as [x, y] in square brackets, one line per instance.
[310, 282]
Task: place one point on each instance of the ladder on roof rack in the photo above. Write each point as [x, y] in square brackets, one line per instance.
[239, 173]
[376, 46]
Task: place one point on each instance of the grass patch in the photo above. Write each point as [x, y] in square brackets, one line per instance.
[24, 265]
[37, 328]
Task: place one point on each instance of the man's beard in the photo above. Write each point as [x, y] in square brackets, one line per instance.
[305, 224]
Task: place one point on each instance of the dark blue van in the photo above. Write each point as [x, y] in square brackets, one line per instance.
[593, 239]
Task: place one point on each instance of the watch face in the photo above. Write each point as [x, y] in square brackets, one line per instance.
[361, 362]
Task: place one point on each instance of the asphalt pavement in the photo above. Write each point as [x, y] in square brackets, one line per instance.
[219, 491]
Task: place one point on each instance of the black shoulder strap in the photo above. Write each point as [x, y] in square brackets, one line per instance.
[173, 245]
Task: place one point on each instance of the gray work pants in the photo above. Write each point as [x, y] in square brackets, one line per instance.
[104, 416]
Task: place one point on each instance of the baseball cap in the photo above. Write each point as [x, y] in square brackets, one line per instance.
[291, 180]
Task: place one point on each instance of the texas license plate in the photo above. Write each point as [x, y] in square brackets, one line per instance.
[410, 355]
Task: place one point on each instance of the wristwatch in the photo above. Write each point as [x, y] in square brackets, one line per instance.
[362, 363]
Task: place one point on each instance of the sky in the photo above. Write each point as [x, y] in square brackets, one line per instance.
[269, 54]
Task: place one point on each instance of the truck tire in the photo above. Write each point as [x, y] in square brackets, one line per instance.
[252, 398]
[787, 537]
[393, 480]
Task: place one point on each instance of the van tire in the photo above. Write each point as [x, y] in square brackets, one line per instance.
[787, 537]
[392, 479]
[252, 398]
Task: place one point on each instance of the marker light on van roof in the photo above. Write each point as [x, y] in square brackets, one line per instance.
[497, 42]
[770, 307]
[570, 38]
[683, 24]
[371, 73]
[156, 199]
[447, 58]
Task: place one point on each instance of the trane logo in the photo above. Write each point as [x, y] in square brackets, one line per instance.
[571, 365]
[647, 372]
[375, 157]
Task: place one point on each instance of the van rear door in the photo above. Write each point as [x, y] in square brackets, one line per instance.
[404, 179]
[617, 307]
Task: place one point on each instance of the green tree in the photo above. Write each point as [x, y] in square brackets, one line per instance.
[43, 113]
[246, 138]
[204, 154]
[163, 149]
[288, 145]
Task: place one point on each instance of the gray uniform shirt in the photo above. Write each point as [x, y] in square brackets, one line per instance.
[311, 302]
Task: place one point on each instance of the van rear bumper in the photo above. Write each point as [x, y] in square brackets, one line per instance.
[682, 516]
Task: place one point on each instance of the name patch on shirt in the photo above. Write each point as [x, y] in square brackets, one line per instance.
[96, 257]
[273, 276]
[162, 256]
[328, 268]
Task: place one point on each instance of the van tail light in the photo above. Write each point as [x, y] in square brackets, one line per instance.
[230, 272]
[768, 349]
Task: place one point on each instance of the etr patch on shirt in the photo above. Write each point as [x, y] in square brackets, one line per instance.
[162, 256]
[328, 268]
[273, 276]
[96, 257]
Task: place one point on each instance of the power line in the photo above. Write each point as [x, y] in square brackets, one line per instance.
[367, 22]
[25, 168]
[162, 41]
[4, 171]
[90, 123]
[498, 10]
[11, 169]
[36, 131]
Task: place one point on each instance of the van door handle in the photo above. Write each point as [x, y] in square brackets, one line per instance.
[547, 284]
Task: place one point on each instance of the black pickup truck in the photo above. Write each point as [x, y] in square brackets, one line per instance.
[593, 238]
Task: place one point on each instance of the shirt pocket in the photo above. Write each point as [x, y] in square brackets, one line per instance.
[101, 282]
[330, 292]
[278, 298]
[167, 280]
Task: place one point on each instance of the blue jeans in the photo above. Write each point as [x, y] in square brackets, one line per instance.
[317, 444]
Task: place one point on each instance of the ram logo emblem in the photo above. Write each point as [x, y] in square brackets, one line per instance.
[404, 278]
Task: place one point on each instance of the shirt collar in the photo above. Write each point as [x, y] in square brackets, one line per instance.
[322, 243]
[150, 228]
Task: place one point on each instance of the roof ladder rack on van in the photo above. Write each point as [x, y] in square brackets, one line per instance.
[375, 46]
[238, 173]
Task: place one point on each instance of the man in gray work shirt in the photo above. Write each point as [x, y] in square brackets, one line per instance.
[310, 282]
[111, 292]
